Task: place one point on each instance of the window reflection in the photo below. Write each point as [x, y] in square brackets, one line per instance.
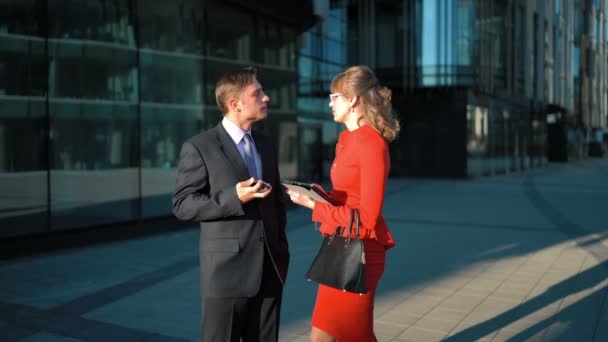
[322, 55]
[94, 178]
[311, 167]
[23, 119]
[447, 40]
[96, 20]
[93, 98]
[288, 150]
[231, 36]
[164, 128]
[502, 139]
[172, 25]
[171, 66]
[86, 70]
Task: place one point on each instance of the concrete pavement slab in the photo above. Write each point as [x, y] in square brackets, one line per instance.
[147, 309]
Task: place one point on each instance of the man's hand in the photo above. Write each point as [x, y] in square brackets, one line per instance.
[251, 189]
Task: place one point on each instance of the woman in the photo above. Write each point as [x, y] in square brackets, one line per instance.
[358, 176]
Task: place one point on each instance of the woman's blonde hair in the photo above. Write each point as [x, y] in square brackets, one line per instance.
[376, 99]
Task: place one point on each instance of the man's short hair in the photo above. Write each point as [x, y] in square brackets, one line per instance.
[231, 84]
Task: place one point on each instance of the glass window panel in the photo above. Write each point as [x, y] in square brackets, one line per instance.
[388, 37]
[305, 67]
[466, 35]
[576, 65]
[306, 46]
[278, 85]
[315, 45]
[267, 43]
[93, 80]
[275, 45]
[23, 119]
[336, 25]
[94, 175]
[231, 33]
[23, 160]
[336, 51]
[171, 78]
[446, 41]
[288, 48]
[164, 129]
[171, 36]
[288, 150]
[172, 25]
[80, 69]
[430, 30]
[311, 162]
[96, 20]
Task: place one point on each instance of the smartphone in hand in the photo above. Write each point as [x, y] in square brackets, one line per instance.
[265, 186]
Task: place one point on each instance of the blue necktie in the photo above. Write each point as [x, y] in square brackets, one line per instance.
[249, 156]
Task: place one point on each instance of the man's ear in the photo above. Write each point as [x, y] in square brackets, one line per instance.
[234, 105]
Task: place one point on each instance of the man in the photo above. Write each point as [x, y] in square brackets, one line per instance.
[243, 247]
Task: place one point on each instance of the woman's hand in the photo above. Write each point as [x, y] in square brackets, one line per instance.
[302, 200]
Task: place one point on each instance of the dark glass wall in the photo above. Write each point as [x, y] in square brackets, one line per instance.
[322, 56]
[93, 98]
[171, 38]
[23, 118]
[97, 97]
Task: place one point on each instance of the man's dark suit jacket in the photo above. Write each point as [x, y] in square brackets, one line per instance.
[233, 235]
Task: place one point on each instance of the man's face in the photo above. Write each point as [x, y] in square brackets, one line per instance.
[253, 103]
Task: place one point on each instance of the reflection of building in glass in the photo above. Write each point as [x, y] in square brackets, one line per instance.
[590, 70]
[474, 80]
[322, 56]
[96, 97]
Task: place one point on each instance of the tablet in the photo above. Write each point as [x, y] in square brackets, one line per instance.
[312, 190]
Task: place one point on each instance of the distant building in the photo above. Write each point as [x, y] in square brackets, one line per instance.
[485, 86]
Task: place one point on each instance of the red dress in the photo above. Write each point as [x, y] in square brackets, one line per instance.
[358, 176]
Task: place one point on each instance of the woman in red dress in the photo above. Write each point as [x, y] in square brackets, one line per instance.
[358, 176]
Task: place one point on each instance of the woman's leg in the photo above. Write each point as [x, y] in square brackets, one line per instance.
[318, 335]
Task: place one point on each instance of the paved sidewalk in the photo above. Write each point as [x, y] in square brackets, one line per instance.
[514, 257]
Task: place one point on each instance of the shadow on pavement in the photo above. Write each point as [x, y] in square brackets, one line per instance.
[579, 282]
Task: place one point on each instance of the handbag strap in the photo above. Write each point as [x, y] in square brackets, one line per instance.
[354, 216]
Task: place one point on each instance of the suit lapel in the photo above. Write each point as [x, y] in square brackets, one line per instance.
[228, 148]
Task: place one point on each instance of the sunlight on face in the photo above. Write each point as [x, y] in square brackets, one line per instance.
[253, 103]
[340, 108]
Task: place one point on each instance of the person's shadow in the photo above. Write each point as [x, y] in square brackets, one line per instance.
[579, 282]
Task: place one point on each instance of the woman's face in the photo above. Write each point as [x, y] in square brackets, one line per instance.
[340, 107]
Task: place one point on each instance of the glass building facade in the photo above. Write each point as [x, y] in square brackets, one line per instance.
[96, 97]
[322, 55]
[485, 87]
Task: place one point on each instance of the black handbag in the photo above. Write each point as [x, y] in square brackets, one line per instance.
[340, 262]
